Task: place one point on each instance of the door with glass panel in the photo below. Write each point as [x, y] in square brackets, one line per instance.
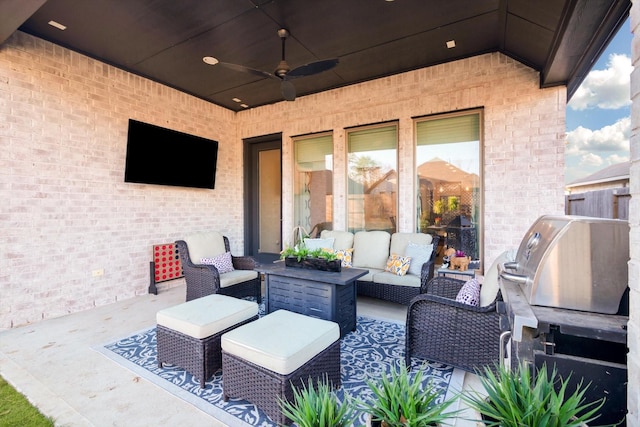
[263, 195]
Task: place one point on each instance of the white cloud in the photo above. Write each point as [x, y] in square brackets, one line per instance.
[607, 89]
[616, 158]
[612, 138]
[590, 160]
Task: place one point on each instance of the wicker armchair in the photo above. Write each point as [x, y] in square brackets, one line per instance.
[203, 280]
[442, 330]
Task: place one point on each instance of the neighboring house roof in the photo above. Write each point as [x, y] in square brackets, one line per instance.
[437, 170]
[617, 172]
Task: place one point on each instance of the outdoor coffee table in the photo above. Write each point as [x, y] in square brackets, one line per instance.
[322, 294]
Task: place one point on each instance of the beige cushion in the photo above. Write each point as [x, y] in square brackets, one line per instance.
[204, 245]
[342, 239]
[371, 273]
[281, 341]
[388, 278]
[399, 241]
[206, 316]
[491, 284]
[371, 249]
[237, 276]
[324, 243]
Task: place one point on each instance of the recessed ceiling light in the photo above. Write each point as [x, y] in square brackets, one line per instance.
[210, 60]
[236, 100]
[244, 105]
[57, 25]
[451, 44]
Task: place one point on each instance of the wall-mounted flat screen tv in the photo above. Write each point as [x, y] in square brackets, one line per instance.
[157, 155]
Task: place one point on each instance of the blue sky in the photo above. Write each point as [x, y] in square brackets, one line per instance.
[598, 115]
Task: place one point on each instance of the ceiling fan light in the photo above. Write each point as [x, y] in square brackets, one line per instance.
[210, 60]
[282, 70]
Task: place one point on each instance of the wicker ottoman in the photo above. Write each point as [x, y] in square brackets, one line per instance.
[261, 360]
[188, 335]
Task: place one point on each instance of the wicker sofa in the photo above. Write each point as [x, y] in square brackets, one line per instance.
[371, 250]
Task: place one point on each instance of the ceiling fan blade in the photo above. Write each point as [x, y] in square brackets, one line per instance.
[248, 70]
[288, 90]
[312, 68]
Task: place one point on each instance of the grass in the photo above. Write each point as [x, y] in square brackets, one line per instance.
[15, 409]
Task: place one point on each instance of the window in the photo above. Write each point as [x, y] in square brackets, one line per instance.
[313, 181]
[448, 159]
[372, 178]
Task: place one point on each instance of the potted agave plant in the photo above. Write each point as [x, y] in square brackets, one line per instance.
[316, 407]
[401, 400]
[519, 398]
[300, 256]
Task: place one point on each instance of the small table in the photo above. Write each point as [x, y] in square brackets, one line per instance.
[322, 294]
[443, 271]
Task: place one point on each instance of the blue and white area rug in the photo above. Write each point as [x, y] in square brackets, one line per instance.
[373, 349]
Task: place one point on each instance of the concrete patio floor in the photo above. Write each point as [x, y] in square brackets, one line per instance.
[53, 363]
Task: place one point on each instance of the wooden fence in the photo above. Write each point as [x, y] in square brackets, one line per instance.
[609, 203]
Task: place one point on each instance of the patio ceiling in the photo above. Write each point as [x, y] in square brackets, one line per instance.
[165, 40]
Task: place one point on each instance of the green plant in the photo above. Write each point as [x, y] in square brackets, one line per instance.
[438, 207]
[15, 409]
[401, 401]
[518, 398]
[316, 407]
[300, 252]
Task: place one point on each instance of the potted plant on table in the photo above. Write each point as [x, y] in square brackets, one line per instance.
[316, 407]
[399, 400]
[518, 398]
[318, 259]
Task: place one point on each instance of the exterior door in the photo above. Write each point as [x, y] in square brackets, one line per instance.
[263, 190]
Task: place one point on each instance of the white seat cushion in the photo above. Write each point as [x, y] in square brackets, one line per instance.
[281, 341]
[371, 249]
[342, 239]
[237, 276]
[387, 278]
[206, 316]
[207, 244]
[491, 283]
[371, 273]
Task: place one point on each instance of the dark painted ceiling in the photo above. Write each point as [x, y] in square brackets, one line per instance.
[165, 40]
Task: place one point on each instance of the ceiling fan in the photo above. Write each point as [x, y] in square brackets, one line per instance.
[283, 72]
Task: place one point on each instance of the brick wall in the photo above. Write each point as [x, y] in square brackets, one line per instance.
[633, 359]
[67, 212]
[65, 209]
[524, 137]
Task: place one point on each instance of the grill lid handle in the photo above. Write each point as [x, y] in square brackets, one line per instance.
[517, 278]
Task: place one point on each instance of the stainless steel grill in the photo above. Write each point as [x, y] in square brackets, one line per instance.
[566, 303]
[570, 262]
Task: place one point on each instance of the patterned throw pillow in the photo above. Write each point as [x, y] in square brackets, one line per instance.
[469, 293]
[222, 262]
[346, 256]
[419, 254]
[398, 265]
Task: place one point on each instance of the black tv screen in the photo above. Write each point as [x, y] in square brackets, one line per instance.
[156, 155]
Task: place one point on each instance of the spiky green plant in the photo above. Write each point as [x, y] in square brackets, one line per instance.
[401, 401]
[316, 406]
[518, 398]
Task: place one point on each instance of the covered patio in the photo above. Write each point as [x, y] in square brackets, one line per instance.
[74, 267]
